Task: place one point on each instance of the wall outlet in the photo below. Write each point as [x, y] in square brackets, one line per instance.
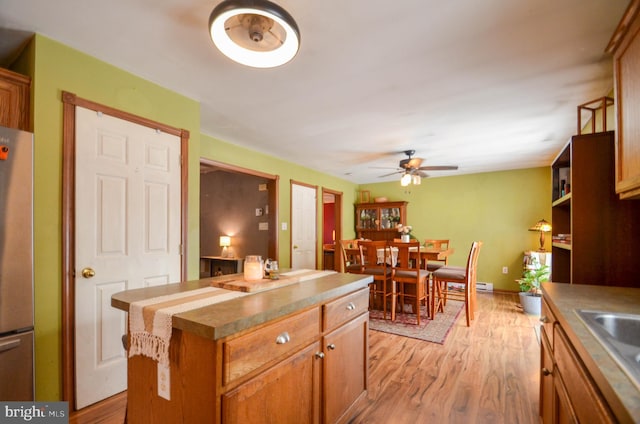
[505, 269]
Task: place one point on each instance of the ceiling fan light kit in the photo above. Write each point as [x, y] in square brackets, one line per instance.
[256, 33]
[412, 171]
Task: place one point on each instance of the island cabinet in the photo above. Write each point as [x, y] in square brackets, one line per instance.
[625, 46]
[579, 382]
[308, 366]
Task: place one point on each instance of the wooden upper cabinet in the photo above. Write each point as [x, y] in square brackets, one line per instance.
[14, 100]
[625, 46]
[378, 221]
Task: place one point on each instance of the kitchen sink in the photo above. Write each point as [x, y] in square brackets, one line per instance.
[619, 333]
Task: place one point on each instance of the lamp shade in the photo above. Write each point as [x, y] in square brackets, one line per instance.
[225, 241]
[405, 180]
[541, 225]
[254, 33]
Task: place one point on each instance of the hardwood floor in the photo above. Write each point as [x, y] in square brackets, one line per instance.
[486, 373]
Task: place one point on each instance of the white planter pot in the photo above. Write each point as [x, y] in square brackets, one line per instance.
[406, 238]
[531, 305]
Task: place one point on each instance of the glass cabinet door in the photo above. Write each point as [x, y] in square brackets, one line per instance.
[389, 218]
[367, 219]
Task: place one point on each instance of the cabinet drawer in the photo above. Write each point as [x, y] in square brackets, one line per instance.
[589, 404]
[345, 309]
[272, 342]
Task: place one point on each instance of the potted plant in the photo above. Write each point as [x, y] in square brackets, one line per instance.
[530, 287]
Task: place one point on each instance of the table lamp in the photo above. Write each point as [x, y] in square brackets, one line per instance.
[544, 227]
[225, 242]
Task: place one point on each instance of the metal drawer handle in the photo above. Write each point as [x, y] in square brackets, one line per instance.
[544, 319]
[319, 355]
[351, 306]
[331, 346]
[283, 338]
[546, 372]
[9, 345]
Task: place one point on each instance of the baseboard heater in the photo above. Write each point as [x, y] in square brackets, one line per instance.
[480, 286]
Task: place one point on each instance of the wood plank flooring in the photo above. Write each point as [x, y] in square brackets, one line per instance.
[486, 373]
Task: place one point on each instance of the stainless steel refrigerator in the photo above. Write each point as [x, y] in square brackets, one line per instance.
[16, 265]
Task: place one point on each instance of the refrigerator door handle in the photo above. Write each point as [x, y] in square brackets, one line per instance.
[12, 344]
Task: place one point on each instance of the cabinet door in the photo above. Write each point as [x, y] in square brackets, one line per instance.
[367, 219]
[586, 401]
[389, 218]
[14, 100]
[626, 65]
[288, 393]
[345, 367]
[546, 380]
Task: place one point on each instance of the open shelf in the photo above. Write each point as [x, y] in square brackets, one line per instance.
[565, 246]
[564, 200]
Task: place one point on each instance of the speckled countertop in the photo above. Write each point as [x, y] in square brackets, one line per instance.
[229, 317]
[620, 392]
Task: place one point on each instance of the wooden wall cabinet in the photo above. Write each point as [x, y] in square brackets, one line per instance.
[378, 221]
[14, 100]
[567, 391]
[625, 46]
[604, 230]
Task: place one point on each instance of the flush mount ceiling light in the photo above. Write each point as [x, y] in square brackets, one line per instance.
[255, 33]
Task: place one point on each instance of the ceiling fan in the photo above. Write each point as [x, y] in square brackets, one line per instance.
[411, 166]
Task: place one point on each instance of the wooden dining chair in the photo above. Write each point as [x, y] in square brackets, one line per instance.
[411, 279]
[382, 288]
[440, 244]
[465, 276]
[351, 258]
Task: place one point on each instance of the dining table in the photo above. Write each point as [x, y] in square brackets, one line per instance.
[426, 254]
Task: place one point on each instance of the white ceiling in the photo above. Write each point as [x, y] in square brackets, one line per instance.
[484, 84]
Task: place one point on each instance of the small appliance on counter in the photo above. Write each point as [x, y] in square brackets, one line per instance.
[16, 265]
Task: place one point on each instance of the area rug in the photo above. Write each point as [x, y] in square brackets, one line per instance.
[434, 331]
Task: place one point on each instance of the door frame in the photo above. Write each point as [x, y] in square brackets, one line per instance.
[337, 216]
[272, 190]
[70, 101]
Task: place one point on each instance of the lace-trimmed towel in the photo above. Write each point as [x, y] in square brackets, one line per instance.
[150, 325]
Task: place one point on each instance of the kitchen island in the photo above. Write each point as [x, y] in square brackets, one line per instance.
[291, 354]
[580, 381]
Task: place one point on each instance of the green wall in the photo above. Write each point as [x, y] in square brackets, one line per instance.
[220, 151]
[495, 207]
[57, 68]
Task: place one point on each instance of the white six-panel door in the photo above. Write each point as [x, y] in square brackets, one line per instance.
[303, 227]
[127, 226]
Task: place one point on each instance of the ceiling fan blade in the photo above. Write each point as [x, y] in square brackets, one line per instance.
[439, 168]
[391, 173]
[384, 167]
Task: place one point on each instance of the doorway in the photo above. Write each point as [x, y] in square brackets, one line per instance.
[331, 228]
[238, 214]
